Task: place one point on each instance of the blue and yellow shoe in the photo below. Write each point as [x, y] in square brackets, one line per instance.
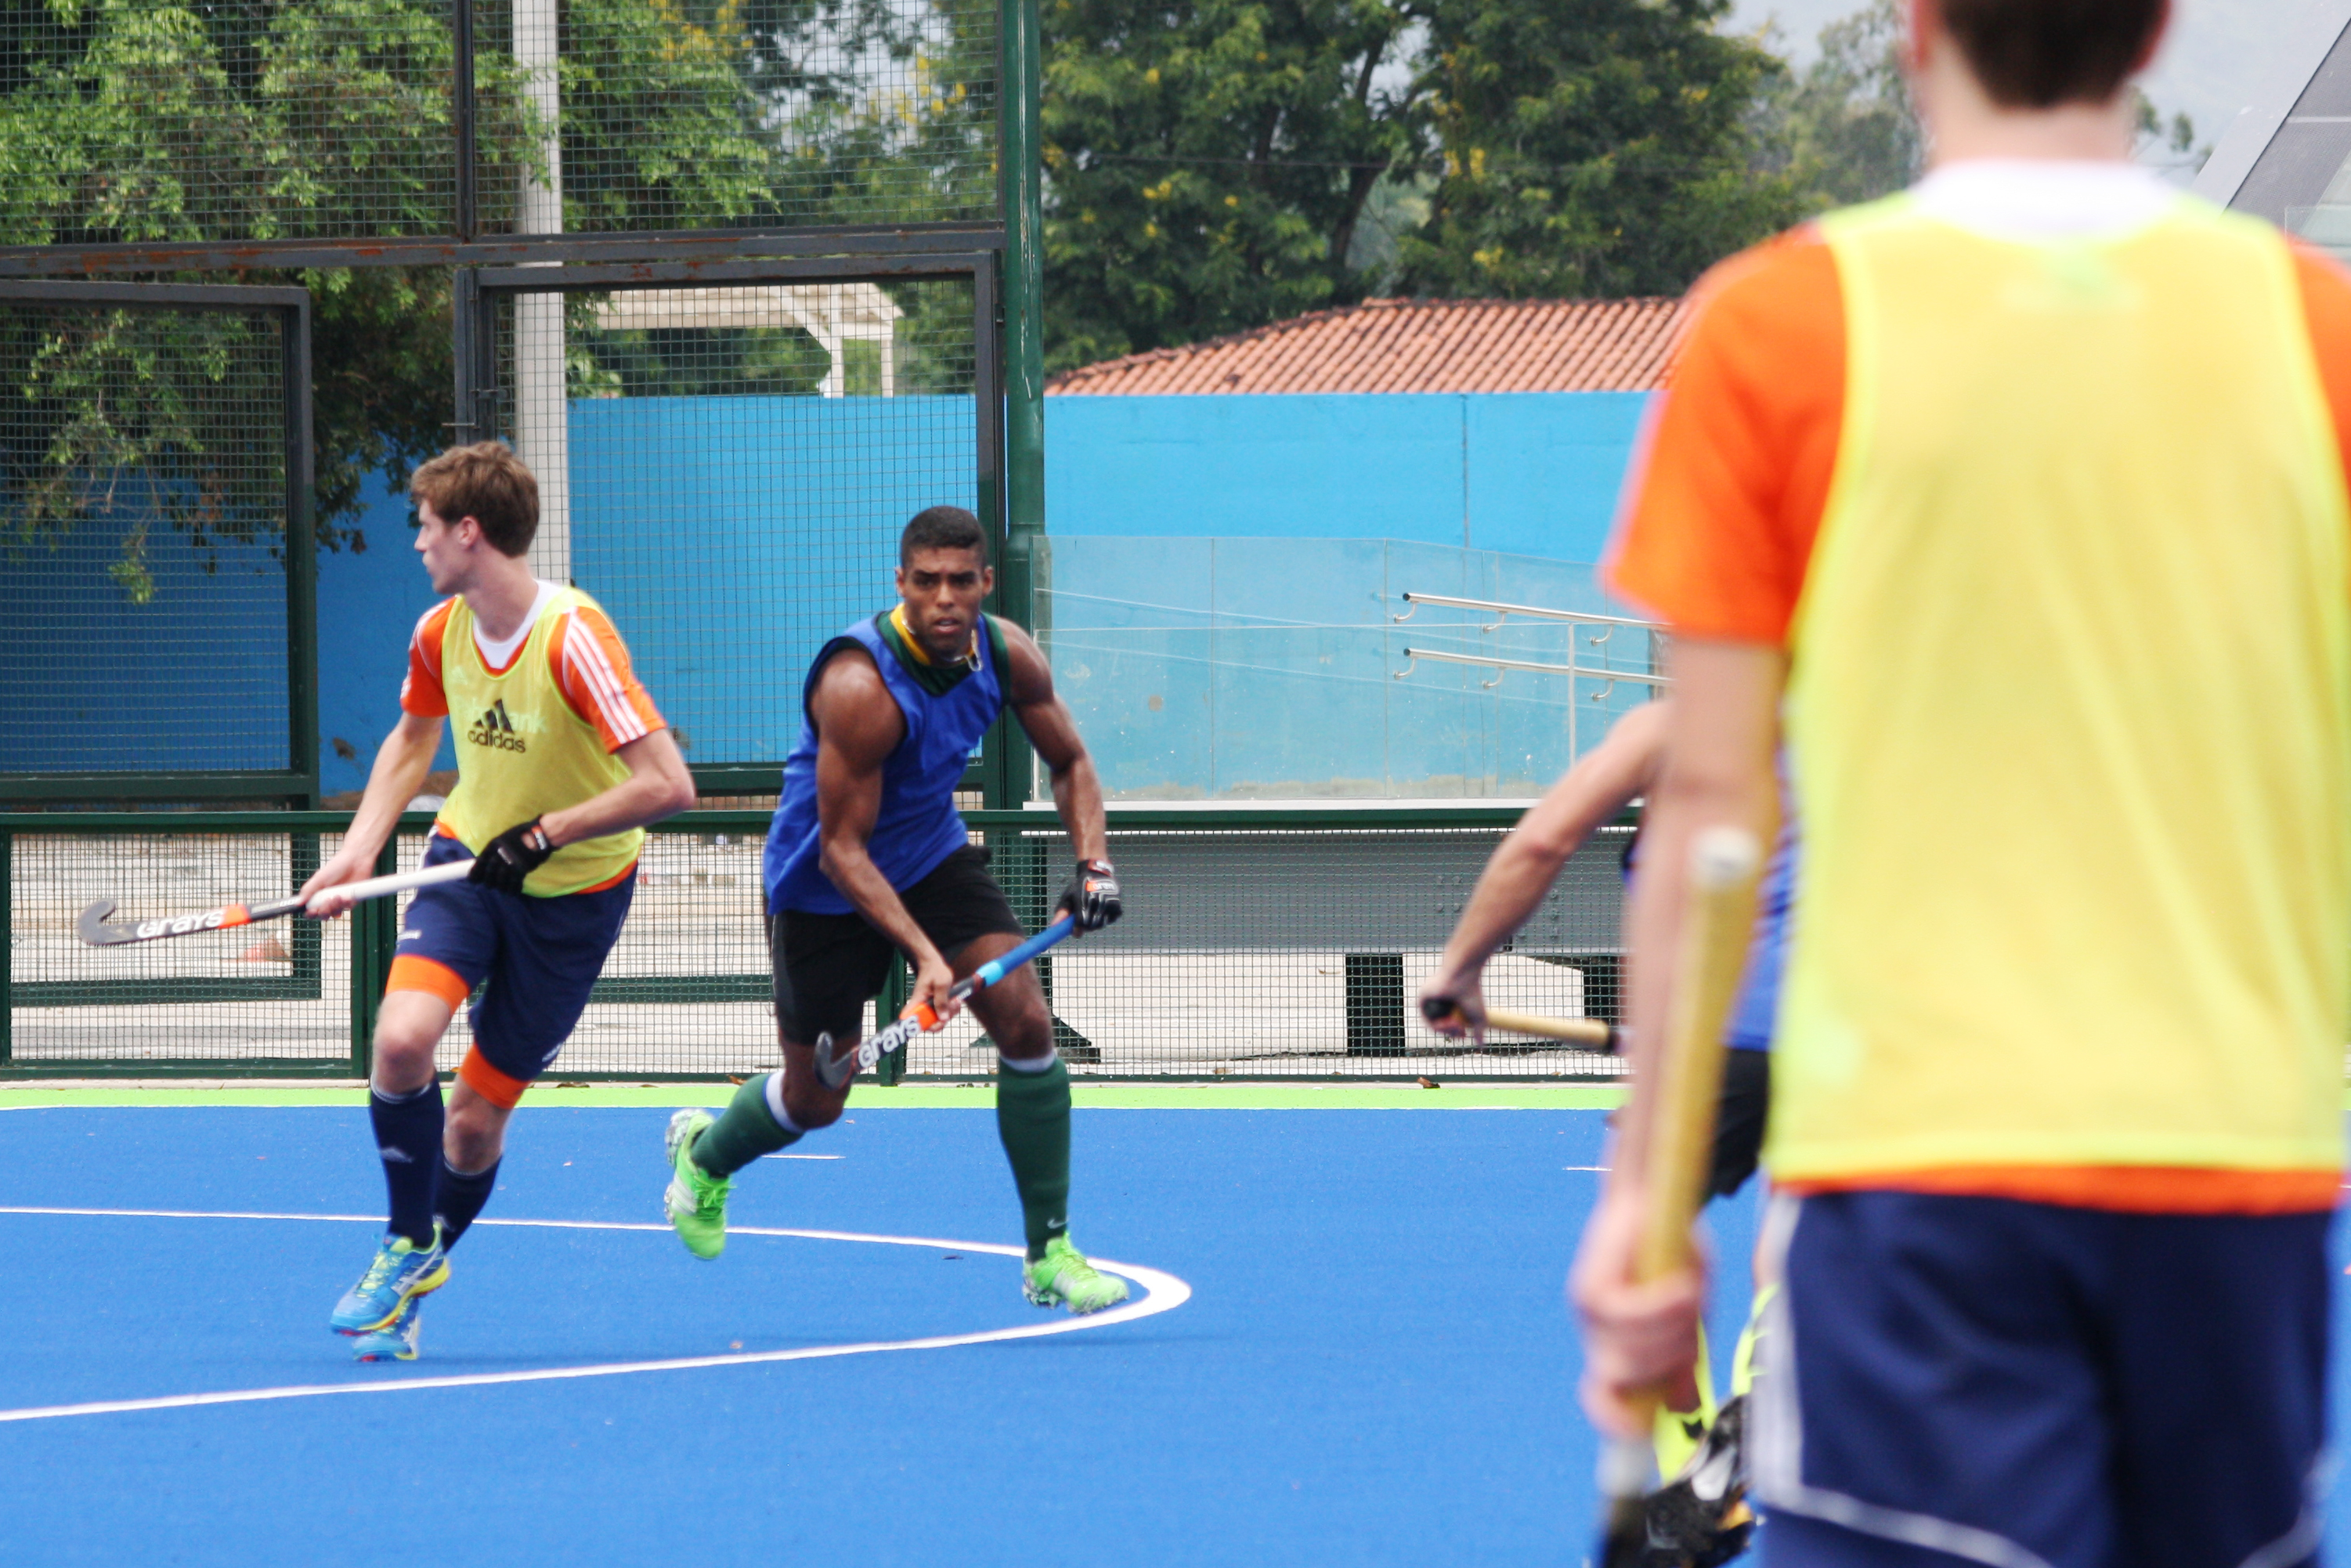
[402, 1271]
[397, 1339]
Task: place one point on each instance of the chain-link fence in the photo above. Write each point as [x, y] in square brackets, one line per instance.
[639, 115]
[1274, 946]
[142, 122]
[275, 999]
[154, 537]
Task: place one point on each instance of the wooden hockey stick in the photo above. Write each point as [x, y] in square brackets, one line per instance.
[1592, 1034]
[1724, 865]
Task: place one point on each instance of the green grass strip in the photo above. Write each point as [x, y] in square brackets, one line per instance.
[1454, 1097]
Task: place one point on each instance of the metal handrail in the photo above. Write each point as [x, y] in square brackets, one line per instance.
[1484, 662]
[1418, 600]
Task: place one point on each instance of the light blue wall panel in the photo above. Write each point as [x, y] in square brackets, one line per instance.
[368, 605]
[1545, 469]
[1256, 668]
[1530, 474]
[1296, 468]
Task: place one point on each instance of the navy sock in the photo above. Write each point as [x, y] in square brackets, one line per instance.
[408, 1137]
[460, 1197]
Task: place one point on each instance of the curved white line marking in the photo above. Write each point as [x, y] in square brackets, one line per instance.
[1163, 1293]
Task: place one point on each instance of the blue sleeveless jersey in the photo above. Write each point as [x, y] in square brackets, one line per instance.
[918, 826]
[1757, 1007]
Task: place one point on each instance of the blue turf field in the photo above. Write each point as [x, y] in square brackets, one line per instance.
[1373, 1368]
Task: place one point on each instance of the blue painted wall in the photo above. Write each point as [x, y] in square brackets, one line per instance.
[368, 604]
[193, 679]
[1533, 474]
[729, 537]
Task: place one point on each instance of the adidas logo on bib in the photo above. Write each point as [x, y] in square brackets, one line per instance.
[496, 728]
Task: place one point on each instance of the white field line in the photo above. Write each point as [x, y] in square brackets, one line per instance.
[1164, 1292]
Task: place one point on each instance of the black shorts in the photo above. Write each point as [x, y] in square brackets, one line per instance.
[827, 966]
[1739, 1118]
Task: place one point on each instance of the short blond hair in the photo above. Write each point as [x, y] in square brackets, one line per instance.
[487, 483]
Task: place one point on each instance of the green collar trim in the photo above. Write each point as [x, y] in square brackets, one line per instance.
[937, 679]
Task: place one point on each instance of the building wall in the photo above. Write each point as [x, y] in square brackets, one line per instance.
[1258, 502]
[1531, 474]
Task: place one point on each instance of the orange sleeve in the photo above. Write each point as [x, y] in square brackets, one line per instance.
[1727, 489]
[2326, 307]
[590, 666]
[420, 692]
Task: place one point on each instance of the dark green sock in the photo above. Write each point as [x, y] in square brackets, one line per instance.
[745, 1131]
[1032, 1117]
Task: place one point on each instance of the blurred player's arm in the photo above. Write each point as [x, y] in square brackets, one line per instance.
[1717, 771]
[858, 725]
[400, 764]
[1602, 782]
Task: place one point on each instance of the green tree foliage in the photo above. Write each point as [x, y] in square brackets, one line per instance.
[1209, 162]
[1216, 164]
[1591, 147]
[161, 120]
[1846, 123]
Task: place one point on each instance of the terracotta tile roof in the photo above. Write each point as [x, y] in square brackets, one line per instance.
[1416, 346]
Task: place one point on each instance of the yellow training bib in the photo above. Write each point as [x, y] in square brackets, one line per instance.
[2069, 714]
[523, 752]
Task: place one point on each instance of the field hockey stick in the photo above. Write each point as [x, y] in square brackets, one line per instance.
[834, 1071]
[93, 929]
[1724, 864]
[1592, 1034]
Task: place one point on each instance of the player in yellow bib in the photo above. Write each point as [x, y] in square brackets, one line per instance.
[2015, 507]
[561, 761]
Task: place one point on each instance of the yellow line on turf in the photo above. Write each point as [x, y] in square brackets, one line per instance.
[1456, 1094]
[1164, 1292]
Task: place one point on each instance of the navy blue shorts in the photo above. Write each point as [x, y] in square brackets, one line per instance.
[536, 960]
[1975, 1380]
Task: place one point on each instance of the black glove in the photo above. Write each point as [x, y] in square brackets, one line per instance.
[1092, 897]
[513, 855]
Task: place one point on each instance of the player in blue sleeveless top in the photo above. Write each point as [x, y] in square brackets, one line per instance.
[868, 859]
[1595, 791]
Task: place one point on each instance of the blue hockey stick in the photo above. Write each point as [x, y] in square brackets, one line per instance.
[833, 1071]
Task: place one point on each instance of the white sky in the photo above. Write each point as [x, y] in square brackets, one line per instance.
[2216, 58]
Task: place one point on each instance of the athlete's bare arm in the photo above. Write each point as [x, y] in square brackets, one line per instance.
[400, 764]
[1717, 770]
[858, 725]
[1602, 782]
[1077, 789]
[658, 786]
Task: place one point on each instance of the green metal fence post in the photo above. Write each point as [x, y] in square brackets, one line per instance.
[1023, 341]
[7, 942]
[895, 991]
[302, 853]
[301, 558]
[375, 933]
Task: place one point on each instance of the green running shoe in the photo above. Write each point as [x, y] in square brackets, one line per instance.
[396, 1341]
[696, 1203]
[1063, 1278]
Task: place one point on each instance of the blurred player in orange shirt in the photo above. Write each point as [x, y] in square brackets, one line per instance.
[2019, 501]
